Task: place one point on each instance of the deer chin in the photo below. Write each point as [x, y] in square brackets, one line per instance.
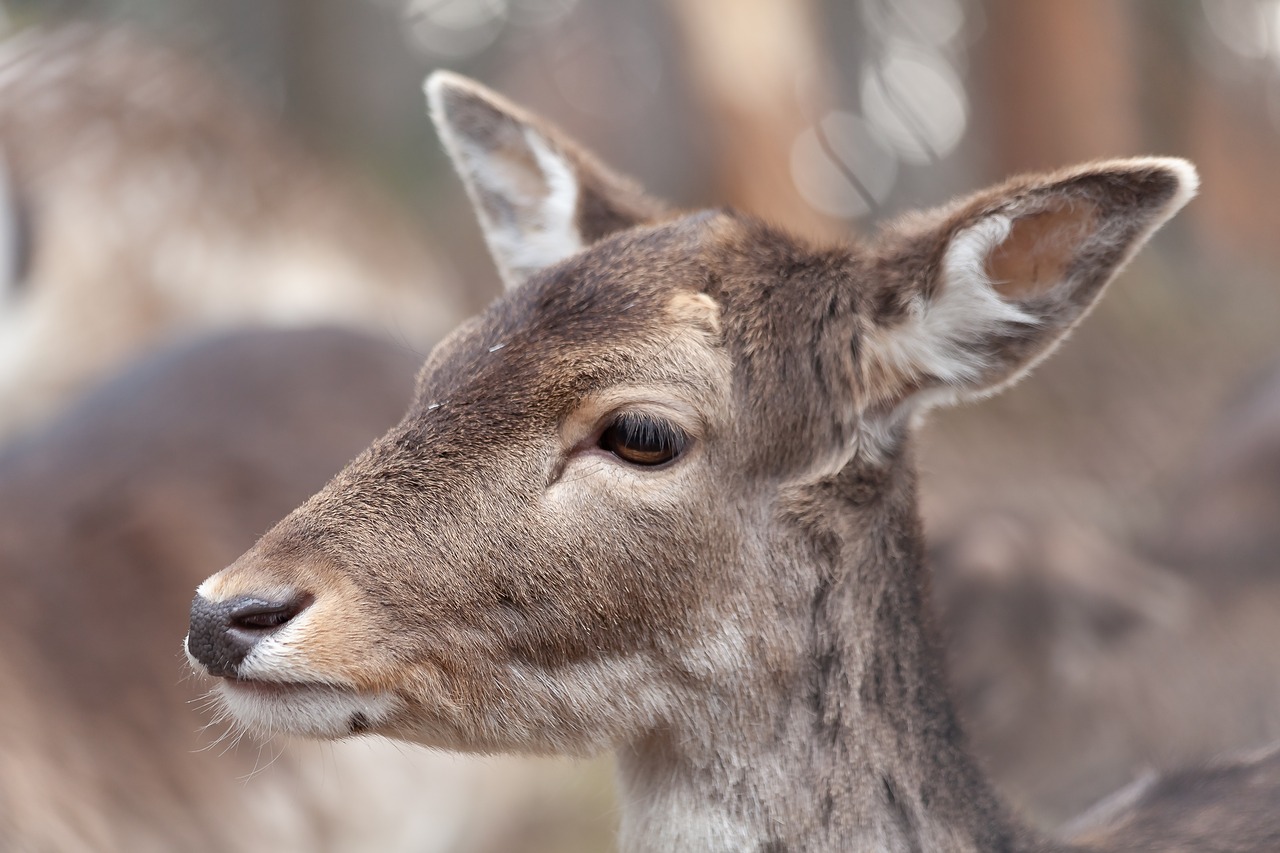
[311, 710]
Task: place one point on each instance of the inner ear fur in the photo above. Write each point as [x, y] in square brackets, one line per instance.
[539, 196]
[1039, 250]
[1080, 225]
[976, 293]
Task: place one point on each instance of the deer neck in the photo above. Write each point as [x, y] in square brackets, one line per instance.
[858, 746]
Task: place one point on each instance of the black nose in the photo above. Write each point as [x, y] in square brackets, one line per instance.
[223, 632]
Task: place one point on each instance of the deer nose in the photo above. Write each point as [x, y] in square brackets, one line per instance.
[222, 633]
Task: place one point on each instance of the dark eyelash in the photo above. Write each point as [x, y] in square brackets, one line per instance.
[645, 431]
[643, 440]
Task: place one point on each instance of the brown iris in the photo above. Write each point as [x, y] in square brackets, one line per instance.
[643, 439]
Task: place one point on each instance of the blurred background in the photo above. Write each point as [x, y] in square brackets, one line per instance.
[1106, 535]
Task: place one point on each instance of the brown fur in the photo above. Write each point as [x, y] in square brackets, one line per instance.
[748, 625]
[1220, 808]
[106, 520]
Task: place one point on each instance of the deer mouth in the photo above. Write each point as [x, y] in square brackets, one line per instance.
[259, 687]
[306, 709]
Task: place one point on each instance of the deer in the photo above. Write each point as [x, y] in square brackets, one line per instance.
[108, 517]
[1080, 662]
[1228, 503]
[1162, 639]
[145, 198]
[659, 498]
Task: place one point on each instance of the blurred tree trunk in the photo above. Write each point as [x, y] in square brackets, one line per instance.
[1234, 145]
[1056, 83]
[759, 71]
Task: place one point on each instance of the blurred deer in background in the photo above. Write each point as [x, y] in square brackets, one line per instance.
[661, 498]
[1083, 660]
[1227, 520]
[107, 518]
[1081, 663]
[141, 199]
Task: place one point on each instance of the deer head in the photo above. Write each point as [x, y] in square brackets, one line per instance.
[608, 511]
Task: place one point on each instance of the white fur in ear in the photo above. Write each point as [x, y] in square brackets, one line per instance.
[524, 190]
[969, 308]
[937, 339]
[548, 232]
[1020, 265]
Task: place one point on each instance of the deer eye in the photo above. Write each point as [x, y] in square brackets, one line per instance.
[643, 439]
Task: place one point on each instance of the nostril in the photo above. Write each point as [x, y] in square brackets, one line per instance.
[222, 633]
[264, 616]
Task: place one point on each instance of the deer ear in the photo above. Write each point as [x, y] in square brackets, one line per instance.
[977, 293]
[540, 198]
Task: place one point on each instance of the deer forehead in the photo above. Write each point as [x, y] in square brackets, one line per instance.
[630, 311]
